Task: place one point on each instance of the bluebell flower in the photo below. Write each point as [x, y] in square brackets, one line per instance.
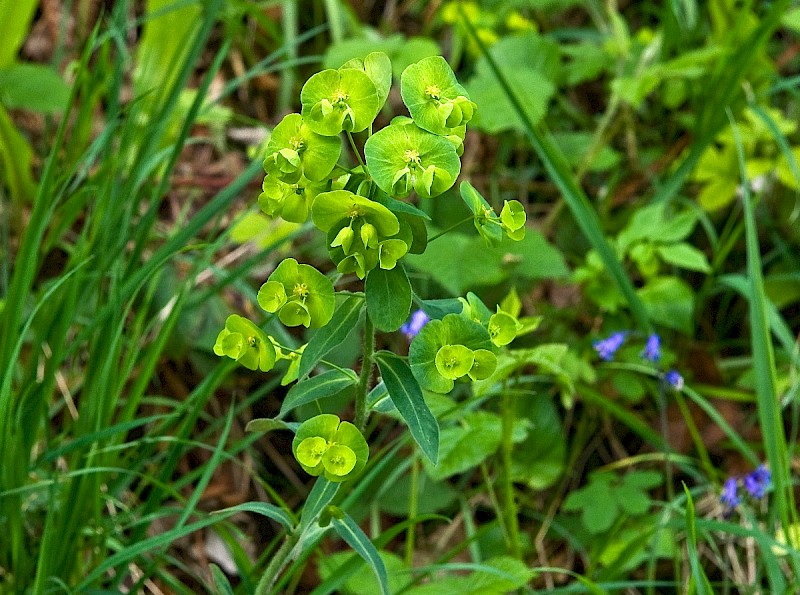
[606, 348]
[730, 493]
[414, 325]
[674, 379]
[652, 349]
[756, 482]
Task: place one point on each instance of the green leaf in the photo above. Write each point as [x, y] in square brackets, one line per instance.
[496, 113]
[406, 394]
[344, 320]
[669, 301]
[33, 87]
[685, 256]
[540, 459]
[352, 534]
[533, 258]
[464, 446]
[268, 510]
[320, 496]
[16, 155]
[267, 424]
[327, 384]
[388, 295]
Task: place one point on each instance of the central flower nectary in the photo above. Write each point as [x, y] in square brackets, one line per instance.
[411, 156]
[434, 92]
[301, 290]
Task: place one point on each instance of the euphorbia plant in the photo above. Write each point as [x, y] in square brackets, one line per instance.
[370, 223]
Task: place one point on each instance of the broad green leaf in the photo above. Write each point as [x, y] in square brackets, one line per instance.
[669, 301]
[363, 579]
[344, 320]
[33, 87]
[539, 460]
[16, 157]
[327, 384]
[388, 296]
[352, 534]
[406, 394]
[685, 256]
[15, 18]
[464, 446]
[533, 258]
[496, 113]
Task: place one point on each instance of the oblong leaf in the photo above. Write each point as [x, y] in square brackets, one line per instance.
[321, 386]
[345, 318]
[352, 534]
[406, 394]
[388, 295]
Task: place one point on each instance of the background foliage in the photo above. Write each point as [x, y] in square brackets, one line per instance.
[655, 148]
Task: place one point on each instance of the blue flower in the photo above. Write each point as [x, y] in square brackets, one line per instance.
[730, 493]
[674, 379]
[606, 348]
[412, 328]
[652, 349]
[756, 482]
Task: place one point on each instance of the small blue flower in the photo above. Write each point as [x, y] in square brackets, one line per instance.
[412, 328]
[606, 348]
[652, 349]
[756, 482]
[730, 493]
[674, 379]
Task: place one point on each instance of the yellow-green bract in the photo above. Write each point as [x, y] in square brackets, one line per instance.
[339, 100]
[246, 343]
[295, 150]
[299, 293]
[326, 445]
[403, 157]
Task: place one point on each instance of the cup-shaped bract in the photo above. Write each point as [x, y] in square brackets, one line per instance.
[326, 445]
[433, 96]
[339, 100]
[403, 157]
[291, 202]
[378, 68]
[244, 342]
[299, 293]
[450, 344]
[331, 209]
[503, 328]
[295, 150]
[513, 219]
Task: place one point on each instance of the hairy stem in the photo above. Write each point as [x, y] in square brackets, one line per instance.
[277, 564]
[366, 374]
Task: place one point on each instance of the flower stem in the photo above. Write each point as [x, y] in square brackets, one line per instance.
[366, 373]
[277, 564]
[451, 228]
[357, 153]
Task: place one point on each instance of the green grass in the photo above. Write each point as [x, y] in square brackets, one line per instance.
[107, 294]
